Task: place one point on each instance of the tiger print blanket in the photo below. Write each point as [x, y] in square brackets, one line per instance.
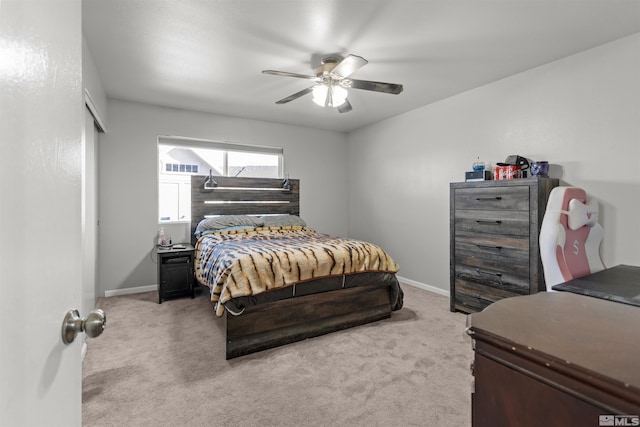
[255, 260]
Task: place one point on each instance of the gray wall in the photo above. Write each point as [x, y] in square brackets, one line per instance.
[581, 113]
[129, 190]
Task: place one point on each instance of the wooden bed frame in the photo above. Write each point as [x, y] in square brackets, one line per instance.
[281, 322]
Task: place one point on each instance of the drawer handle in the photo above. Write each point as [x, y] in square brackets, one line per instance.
[488, 273]
[481, 298]
[488, 199]
[488, 221]
[498, 248]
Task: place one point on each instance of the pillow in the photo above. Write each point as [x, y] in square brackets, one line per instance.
[220, 222]
[581, 214]
[282, 220]
[226, 229]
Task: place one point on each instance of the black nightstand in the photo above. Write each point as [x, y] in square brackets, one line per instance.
[175, 272]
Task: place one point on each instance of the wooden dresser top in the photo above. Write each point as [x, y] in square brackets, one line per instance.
[566, 331]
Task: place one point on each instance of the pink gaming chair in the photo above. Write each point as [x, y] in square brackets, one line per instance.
[570, 236]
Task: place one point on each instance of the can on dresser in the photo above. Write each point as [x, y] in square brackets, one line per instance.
[507, 172]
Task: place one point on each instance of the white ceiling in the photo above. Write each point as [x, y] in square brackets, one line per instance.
[208, 55]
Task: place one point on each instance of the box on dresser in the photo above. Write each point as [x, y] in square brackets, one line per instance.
[481, 175]
[494, 228]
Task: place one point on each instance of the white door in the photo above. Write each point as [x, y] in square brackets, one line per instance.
[41, 124]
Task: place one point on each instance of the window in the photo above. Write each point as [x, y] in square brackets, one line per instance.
[179, 158]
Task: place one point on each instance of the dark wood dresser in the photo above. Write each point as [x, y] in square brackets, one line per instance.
[494, 240]
[556, 359]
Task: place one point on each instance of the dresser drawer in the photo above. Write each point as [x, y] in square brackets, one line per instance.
[498, 198]
[470, 296]
[498, 274]
[470, 303]
[514, 223]
[509, 249]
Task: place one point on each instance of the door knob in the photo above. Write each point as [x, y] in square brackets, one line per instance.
[92, 325]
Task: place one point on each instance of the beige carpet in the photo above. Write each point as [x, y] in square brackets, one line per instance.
[164, 365]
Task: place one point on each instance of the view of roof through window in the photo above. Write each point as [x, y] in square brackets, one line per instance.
[178, 162]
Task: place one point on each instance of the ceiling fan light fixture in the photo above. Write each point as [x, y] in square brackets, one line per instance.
[338, 95]
[320, 94]
[331, 81]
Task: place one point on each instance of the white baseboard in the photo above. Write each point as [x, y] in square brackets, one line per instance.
[128, 291]
[424, 286]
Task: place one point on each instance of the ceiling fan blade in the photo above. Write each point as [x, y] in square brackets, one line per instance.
[295, 95]
[349, 65]
[288, 74]
[345, 107]
[391, 88]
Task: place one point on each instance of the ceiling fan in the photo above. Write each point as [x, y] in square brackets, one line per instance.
[331, 81]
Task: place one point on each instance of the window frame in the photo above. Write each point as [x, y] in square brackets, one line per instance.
[224, 146]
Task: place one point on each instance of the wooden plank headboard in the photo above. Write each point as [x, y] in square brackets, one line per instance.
[242, 196]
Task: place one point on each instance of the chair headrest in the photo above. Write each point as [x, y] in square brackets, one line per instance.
[581, 214]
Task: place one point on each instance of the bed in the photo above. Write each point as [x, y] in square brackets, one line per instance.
[273, 279]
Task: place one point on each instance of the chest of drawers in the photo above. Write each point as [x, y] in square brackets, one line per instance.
[494, 240]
